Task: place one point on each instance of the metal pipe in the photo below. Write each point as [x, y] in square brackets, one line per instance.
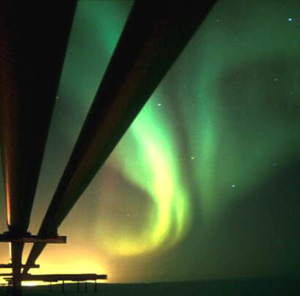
[154, 36]
[34, 37]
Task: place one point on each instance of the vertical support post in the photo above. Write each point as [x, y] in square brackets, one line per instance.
[85, 287]
[78, 287]
[95, 286]
[63, 287]
[16, 250]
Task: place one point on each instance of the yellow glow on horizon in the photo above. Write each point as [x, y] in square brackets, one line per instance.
[68, 260]
[80, 264]
[31, 284]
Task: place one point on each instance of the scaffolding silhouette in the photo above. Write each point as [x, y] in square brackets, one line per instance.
[34, 39]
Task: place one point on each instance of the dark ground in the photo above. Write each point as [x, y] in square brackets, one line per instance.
[265, 287]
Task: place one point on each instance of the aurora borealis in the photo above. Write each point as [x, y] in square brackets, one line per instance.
[205, 183]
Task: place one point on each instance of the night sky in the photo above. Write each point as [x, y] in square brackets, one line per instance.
[206, 182]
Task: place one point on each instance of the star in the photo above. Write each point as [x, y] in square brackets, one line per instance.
[290, 19]
[192, 157]
[159, 104]
[233, 185]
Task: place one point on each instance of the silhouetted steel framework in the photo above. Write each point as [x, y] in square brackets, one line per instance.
[34, 38]
[31, 60]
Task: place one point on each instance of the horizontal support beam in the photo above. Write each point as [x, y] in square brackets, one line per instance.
[62, 277]
[8, 238]
[22, 265]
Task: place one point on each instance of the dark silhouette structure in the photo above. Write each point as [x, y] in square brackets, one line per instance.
[33, 45]
[33, 38]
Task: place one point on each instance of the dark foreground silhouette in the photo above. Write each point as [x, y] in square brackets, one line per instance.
[262, 286]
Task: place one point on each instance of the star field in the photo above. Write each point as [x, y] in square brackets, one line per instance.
[205, 183]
